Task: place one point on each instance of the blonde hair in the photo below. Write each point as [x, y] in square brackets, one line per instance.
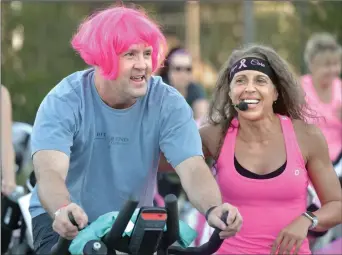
[320, 42]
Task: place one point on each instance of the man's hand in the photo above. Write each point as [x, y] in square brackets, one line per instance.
[233, 223]
[62, 224]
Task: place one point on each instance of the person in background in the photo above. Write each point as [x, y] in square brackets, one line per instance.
[7, 151]
[177, 72]
[323, 89]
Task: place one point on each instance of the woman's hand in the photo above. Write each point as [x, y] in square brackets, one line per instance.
[291, 237]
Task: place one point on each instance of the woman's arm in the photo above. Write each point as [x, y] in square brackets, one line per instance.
[211, 137]
[7, 150]
[324, 180]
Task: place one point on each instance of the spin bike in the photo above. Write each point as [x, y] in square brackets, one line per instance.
[148, 236]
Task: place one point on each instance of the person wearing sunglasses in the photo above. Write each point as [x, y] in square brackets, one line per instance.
[177, 72]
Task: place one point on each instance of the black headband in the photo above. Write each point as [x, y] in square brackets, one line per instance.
[251, 63]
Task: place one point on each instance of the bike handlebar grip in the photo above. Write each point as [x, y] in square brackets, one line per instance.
[120, 224]
[72, 219]
[224, 218]
[172, 222]
[62, 246]
[215, 241]
[209, 247]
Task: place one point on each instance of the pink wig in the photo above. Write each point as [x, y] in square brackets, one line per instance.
[103, 36]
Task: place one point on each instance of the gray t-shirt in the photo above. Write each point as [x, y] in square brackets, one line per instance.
[113, 153]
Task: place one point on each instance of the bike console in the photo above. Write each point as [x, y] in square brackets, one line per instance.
[148, 230]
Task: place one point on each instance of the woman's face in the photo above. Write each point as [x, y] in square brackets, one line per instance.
[180, 71]
[257, 90]
[326, 66]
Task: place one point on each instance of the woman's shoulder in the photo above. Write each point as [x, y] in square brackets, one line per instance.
[304, 128]
[309, 136]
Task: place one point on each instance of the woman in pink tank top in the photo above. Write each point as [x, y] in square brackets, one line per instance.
[266, 155]
[323, 88]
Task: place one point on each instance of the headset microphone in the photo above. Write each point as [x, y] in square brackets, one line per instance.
[242, 106]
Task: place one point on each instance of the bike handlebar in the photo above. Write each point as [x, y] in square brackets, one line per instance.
[62, 246]
[209, 247]
[114, 236]
[114, 239]
[172, 221]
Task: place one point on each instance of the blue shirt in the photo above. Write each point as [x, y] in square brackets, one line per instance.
[113, 153]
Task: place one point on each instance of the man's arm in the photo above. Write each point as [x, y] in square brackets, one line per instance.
[182, 146]
[199, 183]
[181, 143]
[210, 136]
[51, 141]
[50, 168]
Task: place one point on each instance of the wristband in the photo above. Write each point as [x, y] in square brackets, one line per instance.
[209, 211]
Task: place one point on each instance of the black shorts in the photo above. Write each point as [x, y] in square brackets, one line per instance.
[44, 237]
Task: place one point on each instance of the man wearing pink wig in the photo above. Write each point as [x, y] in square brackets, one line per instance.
[98, 134]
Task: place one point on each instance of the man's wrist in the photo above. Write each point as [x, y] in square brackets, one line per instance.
[209, 211]
[57, 207]
[58, 211]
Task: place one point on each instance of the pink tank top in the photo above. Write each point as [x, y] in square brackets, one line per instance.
[266, 205]
[330, 125]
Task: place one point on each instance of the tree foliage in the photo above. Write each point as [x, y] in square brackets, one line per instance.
[47, 27]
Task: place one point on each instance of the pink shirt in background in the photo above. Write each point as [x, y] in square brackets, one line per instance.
[266, 205]
[330, 125]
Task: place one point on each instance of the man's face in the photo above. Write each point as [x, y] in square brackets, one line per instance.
[135, 69]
